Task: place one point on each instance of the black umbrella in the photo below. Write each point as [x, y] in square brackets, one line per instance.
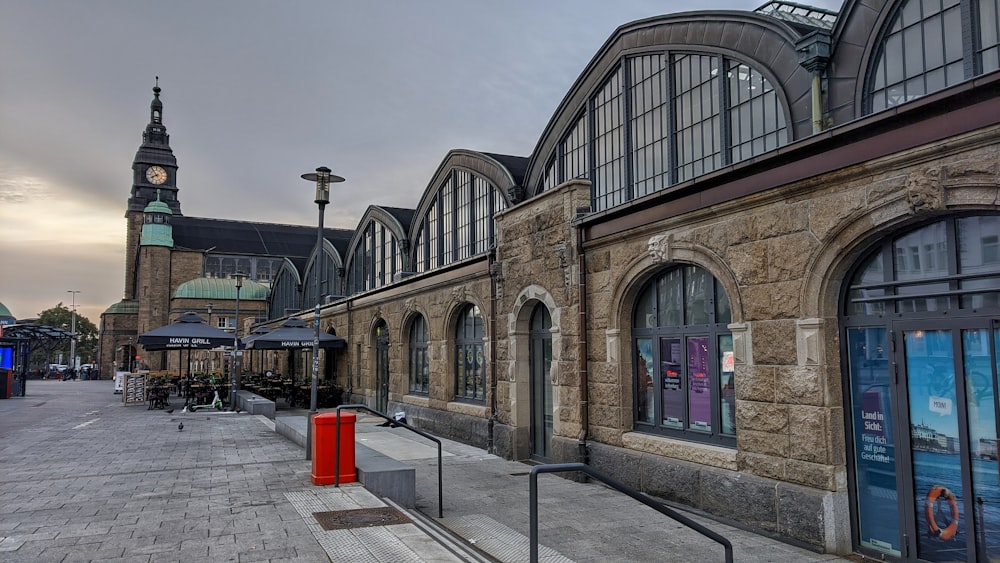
[187, 332]
[293, 334]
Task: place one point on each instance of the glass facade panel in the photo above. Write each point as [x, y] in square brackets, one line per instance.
[609, 145]
[989, 33]
[756, 118]
[573, 152]
[649, 108]
[696, 103]
[923, 51]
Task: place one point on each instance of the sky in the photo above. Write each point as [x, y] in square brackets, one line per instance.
[256, 93]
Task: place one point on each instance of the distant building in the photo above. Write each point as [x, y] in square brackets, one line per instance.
[742, 243]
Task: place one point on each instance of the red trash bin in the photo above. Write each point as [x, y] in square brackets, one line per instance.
[324, 444]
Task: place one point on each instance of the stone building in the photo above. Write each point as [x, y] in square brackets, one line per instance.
[752, 259]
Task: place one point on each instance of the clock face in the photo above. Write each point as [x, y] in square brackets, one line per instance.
[156, 175]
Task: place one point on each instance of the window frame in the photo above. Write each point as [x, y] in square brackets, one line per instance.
[470, 335]
[648, 394]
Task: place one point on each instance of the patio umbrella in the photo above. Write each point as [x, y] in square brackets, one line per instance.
[293, 334]
[188, 332]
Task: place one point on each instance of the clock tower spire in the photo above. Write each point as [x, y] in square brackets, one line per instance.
[154, 179]
[154, 167]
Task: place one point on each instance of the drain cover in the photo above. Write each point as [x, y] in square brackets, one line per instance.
[360, 518]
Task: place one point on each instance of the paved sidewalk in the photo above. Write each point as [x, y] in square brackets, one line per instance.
[84, 478]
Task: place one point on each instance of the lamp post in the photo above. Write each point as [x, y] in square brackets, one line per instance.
[208, 353]
[72, 331]
[323, 179]
[234, 380]
[130, 354]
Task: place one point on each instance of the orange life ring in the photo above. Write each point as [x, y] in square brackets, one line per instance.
[936, 492]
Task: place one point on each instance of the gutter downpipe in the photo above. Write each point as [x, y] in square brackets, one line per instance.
[583, 350]
[490, 444]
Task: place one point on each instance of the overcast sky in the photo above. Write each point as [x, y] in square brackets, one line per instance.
[256, 93]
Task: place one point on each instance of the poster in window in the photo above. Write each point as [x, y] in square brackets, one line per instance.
[699, 389]
[672, 384]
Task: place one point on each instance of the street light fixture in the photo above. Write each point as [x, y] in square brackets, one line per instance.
[234, 380]
[209, 352]
[72, 331]
[323, 179]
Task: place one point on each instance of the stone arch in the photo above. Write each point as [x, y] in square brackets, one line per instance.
[460, 297]
[518, 366]
[663, 251]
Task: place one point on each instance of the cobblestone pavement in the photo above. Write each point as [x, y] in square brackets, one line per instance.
[84, 478]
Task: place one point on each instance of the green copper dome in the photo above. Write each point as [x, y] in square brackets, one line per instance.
[123, 307]
[156, 229]
[221, 288]
[5, 313]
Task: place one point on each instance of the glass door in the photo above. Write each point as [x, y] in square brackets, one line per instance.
[924, 426]
[381, 368]
[540, 352]
[949, 387]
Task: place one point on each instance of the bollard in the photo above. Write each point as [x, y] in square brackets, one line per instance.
[324, 439]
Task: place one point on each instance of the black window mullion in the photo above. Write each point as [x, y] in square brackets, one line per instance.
[626, 117]
[671, 128]
[725, 123]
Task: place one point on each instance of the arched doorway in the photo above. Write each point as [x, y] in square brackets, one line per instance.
[381, 367]
[920, 325]
[540, 374]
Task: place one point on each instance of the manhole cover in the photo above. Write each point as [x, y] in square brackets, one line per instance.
[360, 518]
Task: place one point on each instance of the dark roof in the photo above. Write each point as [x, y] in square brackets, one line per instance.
[404, 216]
[247, 238]
[516, 165]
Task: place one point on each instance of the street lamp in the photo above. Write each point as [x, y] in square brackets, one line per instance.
[72, 331]
[130, 354]
[234, 380]
[323, 179]
[209, 352]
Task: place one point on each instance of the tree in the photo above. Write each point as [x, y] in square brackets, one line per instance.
[86, 333]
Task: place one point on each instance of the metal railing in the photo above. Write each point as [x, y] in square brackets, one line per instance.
[336, 478]
[659, 507]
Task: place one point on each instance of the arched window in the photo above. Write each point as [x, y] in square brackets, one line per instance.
[684, 365]
[920, 341]
[420, 372]
[470, 371]
[664, 118]
[377, 258]
[459, 221]
[930, 45]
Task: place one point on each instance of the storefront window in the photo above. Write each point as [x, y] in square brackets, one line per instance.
[685, 372]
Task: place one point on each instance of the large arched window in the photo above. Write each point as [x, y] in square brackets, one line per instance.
[930, 45]
[329, 279]
[664, 118]
[470, 382]
[420, 372]
[921, 336]
[377, 257]
[684, 366]
[459, 221]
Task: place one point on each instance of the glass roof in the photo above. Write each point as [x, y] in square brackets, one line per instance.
[799, 14]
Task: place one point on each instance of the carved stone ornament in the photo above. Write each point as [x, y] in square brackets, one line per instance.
[923, 190]
[408, 305]
[659, 248]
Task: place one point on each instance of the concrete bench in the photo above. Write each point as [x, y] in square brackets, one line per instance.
[386, 477]
[254, 404]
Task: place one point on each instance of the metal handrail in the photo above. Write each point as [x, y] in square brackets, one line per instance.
[336, 461]
[622, 488]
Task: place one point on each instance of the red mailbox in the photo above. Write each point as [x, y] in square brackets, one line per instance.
[324, 444]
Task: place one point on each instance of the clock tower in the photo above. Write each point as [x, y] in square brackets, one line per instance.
[154, 178]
